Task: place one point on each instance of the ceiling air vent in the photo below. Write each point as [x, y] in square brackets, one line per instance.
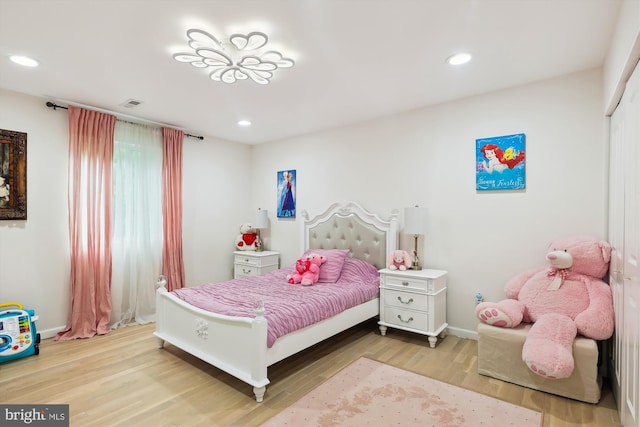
[131, 103]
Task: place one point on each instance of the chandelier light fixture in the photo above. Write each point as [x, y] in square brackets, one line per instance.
[241, 57]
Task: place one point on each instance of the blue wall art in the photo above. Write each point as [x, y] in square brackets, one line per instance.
[500, 163]
[286, 194]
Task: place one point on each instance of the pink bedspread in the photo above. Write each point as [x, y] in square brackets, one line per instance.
[287, 307]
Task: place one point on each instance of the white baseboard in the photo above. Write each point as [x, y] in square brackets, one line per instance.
[50, 333]
[463, 333]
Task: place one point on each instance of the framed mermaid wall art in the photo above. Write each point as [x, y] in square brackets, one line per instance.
[286, 194]
[500, 163]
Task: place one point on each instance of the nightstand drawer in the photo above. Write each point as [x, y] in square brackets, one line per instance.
[406, 318]
[244, 271]
[241, 270]
[416, 284]
[405, 300]
[255, 260]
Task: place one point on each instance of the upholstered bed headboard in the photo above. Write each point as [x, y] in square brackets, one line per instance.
[346, 225]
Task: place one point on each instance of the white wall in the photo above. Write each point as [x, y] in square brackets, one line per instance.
[623, 53]
[216, 201]
[34, 254]
[426, 157]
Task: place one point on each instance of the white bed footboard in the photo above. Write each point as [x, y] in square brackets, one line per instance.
[236, 345]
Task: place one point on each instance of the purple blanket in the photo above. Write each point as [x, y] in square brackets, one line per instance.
[287, 307]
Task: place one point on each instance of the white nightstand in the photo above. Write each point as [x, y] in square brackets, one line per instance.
[415, 301]
[251, 263]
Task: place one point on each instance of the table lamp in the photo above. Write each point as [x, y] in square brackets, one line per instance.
[261, 222]
[414, 223]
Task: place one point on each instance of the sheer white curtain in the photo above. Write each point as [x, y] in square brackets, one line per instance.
[137, 222]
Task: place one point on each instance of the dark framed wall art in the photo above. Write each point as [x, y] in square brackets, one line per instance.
[13, 175]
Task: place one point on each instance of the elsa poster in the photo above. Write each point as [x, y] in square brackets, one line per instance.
[500, 163]
[287, 194]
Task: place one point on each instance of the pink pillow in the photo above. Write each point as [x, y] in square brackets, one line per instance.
[331, 269]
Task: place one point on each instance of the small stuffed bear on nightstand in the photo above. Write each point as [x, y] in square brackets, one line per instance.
[399, 260]
[247, 239]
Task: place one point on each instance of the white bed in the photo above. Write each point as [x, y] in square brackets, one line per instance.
[238, 345]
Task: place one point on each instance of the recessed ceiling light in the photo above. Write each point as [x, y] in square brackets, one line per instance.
[244, 123]
[459, 58]
[24, 60]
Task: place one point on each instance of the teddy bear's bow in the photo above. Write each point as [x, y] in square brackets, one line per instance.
[560, 276]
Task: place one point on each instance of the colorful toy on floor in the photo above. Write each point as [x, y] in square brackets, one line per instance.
[18, 334]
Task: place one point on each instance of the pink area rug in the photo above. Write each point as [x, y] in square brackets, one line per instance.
[370, 393]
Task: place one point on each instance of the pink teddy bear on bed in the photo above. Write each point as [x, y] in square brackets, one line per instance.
[307, 270]
[567, 299]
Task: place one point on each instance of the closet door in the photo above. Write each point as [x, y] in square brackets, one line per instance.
[616, 239]
[631, 259]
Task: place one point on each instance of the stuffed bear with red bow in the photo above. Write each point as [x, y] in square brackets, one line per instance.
[307, 270]
[562, 300]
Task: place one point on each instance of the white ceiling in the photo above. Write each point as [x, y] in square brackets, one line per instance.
[356, 60]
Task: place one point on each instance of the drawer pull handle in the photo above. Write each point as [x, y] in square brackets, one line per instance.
[405, 321]
[245, 271]
[405, 302]
[246, 260]
[405, 283]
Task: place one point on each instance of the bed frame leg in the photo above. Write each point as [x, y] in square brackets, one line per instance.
[259, 392]
[160, 343]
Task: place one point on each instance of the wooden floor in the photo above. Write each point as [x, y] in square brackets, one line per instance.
[123, 379]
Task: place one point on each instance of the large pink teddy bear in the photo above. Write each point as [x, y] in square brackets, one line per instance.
[567, 299]
[307, 270]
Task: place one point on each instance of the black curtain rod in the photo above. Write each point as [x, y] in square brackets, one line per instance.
[56, 106]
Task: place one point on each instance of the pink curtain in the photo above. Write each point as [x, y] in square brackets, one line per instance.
[89, 199]
[172, 262]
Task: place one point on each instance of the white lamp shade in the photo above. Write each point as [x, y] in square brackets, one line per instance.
[261, 219]
[415, 220]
